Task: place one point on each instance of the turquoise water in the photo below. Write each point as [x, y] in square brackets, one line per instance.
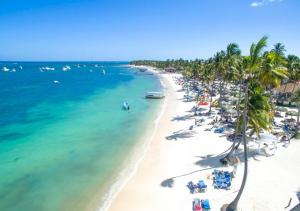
[62, 143]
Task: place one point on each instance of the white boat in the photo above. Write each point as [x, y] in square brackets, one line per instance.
[5, 69]
[66, 68]
[155, 95]
[47, 68]
[56, 82]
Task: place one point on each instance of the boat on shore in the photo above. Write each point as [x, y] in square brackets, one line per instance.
[154, 95]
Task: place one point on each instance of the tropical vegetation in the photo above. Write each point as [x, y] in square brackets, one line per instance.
[255, 75]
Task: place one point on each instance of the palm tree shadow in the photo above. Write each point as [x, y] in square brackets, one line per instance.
[169, 183]
[181, 134]
[214, 161]
[182, 118]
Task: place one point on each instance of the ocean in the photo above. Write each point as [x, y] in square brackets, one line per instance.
[64, 137]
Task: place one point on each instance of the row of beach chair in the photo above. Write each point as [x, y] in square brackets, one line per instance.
[197, 187]
[222, 179]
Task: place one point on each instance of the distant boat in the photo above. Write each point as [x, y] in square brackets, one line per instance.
[46, 68]
[154, 95]
[66, 68]
[13, 70]
[125, 106]
[5, 69]
[103, 71]
[56, 82]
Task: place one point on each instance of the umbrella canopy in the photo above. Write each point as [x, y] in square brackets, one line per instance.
[203, 103]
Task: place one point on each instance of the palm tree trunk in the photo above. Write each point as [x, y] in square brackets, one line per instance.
[233, 205]
[297, 126]
[235, 145]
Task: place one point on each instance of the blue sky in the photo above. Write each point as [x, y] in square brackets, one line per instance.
[142, 29]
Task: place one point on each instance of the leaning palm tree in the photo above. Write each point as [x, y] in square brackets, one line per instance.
[253, 64]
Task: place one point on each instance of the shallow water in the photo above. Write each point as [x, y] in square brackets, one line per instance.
[60, 142]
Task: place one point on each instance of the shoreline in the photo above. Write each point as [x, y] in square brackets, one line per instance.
[134, 159]
[165, 114]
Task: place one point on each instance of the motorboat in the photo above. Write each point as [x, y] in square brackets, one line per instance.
[154, 95]
[66, 68]
[5, 69]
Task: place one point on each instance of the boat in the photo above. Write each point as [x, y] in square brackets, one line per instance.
[47, 68]
[66, 68]
[5, 69]
[56, 82]
[103, 72]
[154, 95]
[125, 106]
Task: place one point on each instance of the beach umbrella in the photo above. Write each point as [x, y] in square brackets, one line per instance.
[203, 103]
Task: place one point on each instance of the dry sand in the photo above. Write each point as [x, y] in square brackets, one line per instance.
[159, 183]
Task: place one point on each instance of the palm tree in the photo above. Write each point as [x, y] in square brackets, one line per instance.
[293, 66]
[253, 64]
[220, 68]
[208, 76]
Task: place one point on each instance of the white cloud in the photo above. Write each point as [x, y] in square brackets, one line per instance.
[261, 3]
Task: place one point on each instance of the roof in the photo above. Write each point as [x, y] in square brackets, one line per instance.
[288, 88]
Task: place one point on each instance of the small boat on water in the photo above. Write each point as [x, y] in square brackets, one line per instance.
[125, 106]
[5, 69]
[66, 68]
[56, 82]
[154, 95]
[47, 69]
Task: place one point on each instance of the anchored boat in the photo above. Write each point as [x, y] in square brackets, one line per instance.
[154, 95]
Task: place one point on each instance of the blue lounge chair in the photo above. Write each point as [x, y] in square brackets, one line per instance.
[205, 204]
[219, 130]
[201, 186]
[222, 179]
[192, 187]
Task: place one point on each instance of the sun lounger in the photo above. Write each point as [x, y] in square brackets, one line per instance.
[197, 205]
[202, 186]
[205, 204]
[222, 179]
[192, 187]
[219, 130]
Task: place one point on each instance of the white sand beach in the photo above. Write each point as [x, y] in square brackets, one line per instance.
[190, 155]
